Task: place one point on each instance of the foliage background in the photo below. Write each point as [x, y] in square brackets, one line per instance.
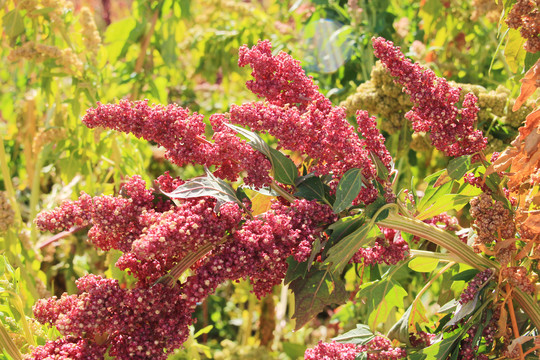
[59, 58]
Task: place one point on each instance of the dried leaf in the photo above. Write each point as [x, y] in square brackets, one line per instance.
[261, 203]
[503, 162]
[533, 222]
[504, 244]
[532, 124]
[528, 86]
[501, 323]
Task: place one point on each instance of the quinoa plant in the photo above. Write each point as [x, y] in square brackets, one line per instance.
[334, 204]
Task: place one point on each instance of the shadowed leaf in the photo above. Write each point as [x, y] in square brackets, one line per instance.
[312, 293]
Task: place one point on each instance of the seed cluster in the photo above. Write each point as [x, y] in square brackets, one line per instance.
[380, 348]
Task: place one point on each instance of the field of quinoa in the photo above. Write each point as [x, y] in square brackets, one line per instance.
[257, 179]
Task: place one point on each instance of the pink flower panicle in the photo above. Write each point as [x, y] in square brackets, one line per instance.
[143, 321]
[421, 339]
[474, 285]
[373, 139]
[155, 235]
[388, 250]
[321, 132]
[452, 129]
[68, 215]
[132, 324]
[69, 348]
[380, 348]
[332, 351]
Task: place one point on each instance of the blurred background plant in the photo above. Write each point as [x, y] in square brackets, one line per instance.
[61, 57]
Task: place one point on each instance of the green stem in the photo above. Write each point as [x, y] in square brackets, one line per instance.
[432, 280]
[432, 255]
[459, 251]
[282, 192]
[529, 305]
[25, 273]
[190, 259]
[7, 182]
[7, 344]
[36, 190]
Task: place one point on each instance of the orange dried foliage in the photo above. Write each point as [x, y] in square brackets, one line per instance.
[529, 84]
[523, 157]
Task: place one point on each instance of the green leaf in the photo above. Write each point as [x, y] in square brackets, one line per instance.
[340, 254]
[284, 168]
[312, 188]
[312, 293]
[381, 297]
[13, 23]
[382, 171]
[241, 194]
[432, 193]
[439, 350]
[465, 275]
[459, 166]
[530, 60]
[342, 228]
[185, 5]
[443, 203]
[294, 350]
[295, 270]
[359, 336]
[400, 330]
[372, 209]
[206, 186]
[361, 356]
[117, 33]
[462, 310]
[514, 51]
[423, 264]
[348, 188]
[255, 140]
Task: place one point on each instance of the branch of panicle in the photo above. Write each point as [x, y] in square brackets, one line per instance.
[280, 79]
[451, 128]
[183, 137]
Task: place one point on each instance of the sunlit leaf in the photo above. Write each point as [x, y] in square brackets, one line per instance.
[205, 186]
[439, 350]
[260, 204]
[514, 51]
[359, 336]
[13, 23]
[423, 264]
[381, 297]
[340, 254]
